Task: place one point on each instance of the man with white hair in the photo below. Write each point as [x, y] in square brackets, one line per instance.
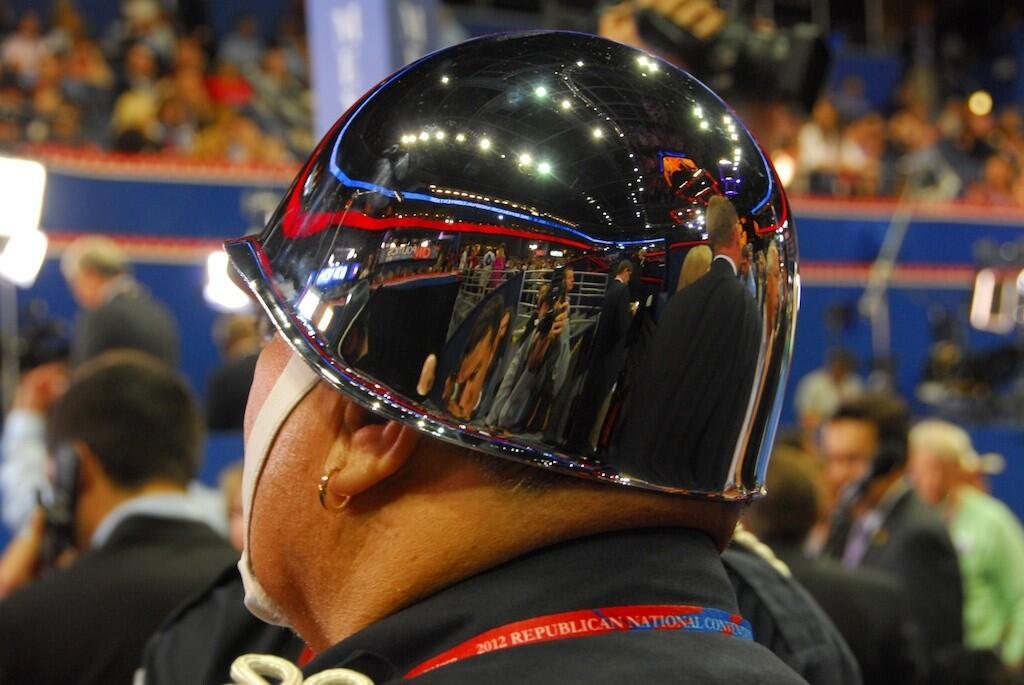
[118, 311]
[988, 537]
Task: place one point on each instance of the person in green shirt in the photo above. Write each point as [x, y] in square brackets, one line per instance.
[988, 537]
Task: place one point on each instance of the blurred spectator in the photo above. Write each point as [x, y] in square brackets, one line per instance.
[880, 523]
[22, 51]
[134, 434]
[23, 445]
[988, 537]
[819, 393]
[819, 149]
[865, 604]
[244, 45]
[231, 490]
[118, 312]
[227, 389]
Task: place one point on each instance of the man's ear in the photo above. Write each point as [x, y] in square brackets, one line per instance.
[90, 470]
[366, 452]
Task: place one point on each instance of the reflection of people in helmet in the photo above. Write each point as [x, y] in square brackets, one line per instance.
[711, 332]
[464, 386]
[377, 514]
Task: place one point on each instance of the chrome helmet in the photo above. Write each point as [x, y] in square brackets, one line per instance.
[552, 248]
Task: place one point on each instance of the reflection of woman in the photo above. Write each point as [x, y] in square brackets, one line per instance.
[695, 265]
[498, 272]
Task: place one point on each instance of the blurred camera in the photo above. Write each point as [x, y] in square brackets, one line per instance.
[743, 63]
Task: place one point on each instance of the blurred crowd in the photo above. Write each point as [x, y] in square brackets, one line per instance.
[964, 150]
[156, 81]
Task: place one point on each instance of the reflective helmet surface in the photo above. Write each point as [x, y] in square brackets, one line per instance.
[508, 244]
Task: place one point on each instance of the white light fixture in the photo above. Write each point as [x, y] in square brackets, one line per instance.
[220, 291]
[22, 244]
[544, 168]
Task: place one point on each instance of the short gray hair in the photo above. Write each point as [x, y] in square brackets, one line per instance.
[93, 253]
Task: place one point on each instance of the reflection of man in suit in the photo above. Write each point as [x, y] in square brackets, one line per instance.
[882, 523]
[703, 358]
[609, 353]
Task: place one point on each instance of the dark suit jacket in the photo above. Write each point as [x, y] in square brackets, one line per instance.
[131, 319]
[684, 416]
[89, 623]
[786, 620]
[869, 610]
[914, 545]
[198, 642]
[227, 391]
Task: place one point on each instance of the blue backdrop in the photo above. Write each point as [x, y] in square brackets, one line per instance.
[171, 218]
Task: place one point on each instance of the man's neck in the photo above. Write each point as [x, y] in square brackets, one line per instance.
[458, 528]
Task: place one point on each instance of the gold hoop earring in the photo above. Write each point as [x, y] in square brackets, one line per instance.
[322, 492]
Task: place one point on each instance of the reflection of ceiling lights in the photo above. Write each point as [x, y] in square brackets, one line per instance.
[445, 79]
[579, 63]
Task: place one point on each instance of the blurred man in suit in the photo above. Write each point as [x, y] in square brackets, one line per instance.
[880, 522]
[712, 329]
[126, 441]
[118, 311]
[865, 604]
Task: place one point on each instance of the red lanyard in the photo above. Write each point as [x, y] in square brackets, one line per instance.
[588, 622]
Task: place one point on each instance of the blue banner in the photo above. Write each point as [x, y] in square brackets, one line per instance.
[354, 44]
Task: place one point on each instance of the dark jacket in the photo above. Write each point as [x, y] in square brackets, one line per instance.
[869, 610]
[702, 359]
[131, 319]
[788, 621]
[914, 545]
[198, 642]
[89, 623]
[636, 567]
[227, 391]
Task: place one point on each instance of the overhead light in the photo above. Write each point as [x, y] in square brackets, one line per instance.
[980, 103]
[525, 159]
[22, 244]
[439, 135]
[461, 137]
[566, 104]
[598, 133]
[445, 79]
[220, 291]
[424, 135]
[544, 168]
[485, 144]
[540, 91]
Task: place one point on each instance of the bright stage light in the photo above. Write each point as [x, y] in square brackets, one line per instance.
[22, 244]
[220, 291]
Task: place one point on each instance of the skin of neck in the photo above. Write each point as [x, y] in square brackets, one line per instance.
[442, 519]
